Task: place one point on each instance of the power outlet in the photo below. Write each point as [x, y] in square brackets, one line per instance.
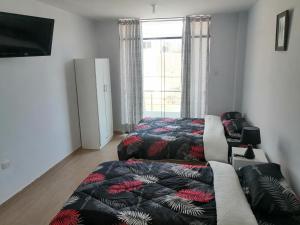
[5, 164]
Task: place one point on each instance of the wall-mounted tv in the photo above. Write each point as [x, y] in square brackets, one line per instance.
[22, 35]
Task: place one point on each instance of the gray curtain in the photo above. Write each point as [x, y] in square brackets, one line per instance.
[195, 65]
[131, 72]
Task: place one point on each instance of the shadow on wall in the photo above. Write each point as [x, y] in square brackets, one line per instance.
[291, 12]
[108, 37]
[73, 115]
[116, 94]
[284, 148]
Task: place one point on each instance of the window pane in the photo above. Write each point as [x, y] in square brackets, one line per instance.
[162, 28]
[172, 84]
[172, 103]
[153, 104]
[152, 83]
[162, 69]
[172, 58]
[152, 58]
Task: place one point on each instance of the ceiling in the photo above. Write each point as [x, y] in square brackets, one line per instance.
[99, 9]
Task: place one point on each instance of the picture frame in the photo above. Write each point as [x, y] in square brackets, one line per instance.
[282, 30]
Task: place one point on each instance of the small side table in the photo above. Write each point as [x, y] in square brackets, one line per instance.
[238, 162]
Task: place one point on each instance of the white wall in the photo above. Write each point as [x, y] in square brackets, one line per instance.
[227, 62]
[38, 112]
[272, 85]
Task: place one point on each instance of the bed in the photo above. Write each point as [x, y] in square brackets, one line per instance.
[139, 193]
[188, 139]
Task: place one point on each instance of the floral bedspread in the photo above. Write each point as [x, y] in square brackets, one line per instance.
[165, 138]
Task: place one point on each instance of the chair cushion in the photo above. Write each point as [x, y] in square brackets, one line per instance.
[230, 129]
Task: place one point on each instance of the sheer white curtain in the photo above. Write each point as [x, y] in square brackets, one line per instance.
[131, 72]
[195, 65]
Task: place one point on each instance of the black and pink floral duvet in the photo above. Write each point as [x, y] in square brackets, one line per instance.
[165, 138]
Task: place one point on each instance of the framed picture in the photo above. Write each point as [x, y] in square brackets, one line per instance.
[282, 30]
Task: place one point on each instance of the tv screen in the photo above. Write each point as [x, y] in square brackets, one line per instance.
[22, 35]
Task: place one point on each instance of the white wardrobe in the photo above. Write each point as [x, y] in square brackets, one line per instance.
[94, 102]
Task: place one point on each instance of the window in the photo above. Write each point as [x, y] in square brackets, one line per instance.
[162, 44]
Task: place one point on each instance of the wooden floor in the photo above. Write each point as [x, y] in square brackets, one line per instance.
[38, 203]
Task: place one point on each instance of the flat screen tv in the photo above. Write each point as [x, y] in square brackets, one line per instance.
[22, 35]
